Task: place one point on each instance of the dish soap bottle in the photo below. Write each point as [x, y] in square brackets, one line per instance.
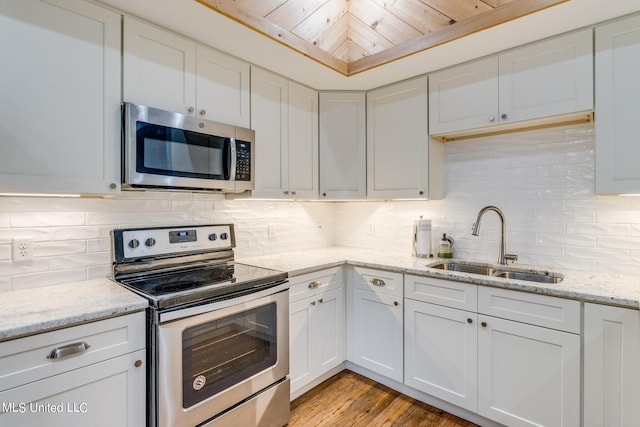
[445, 247]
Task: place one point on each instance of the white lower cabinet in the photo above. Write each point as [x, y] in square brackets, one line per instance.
[440, 352]
[611, 366]
[512, 357]
[98, 378]
[528, 375]
[376, 335]
[316, 326]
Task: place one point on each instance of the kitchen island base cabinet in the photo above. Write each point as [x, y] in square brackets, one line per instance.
[611, 366]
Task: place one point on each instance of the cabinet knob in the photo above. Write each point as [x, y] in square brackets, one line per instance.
[113, 186]
[293, 192]
[313, 303]
[396, 303]
[492, 118]
[421, 192]
[203, 112]
[469, 320]
[324, 194]
[503, 116]
[286, 192]
[377, 282]
[314, 284]
[320, 301]
[138, 363]
[484, 324]
[191, 109]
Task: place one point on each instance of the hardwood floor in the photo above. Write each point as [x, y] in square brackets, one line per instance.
[349, 399]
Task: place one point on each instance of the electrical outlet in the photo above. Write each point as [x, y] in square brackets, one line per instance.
[22, 249]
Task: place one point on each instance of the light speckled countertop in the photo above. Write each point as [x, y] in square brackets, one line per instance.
[585, 286]
[36, 310]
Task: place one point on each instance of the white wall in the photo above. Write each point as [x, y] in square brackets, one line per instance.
[542, 180]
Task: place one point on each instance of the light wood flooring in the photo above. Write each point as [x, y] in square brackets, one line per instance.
[349, 399]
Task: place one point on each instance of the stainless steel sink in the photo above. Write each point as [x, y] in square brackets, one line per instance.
[542, 277]
[487, 270]
[465, 268]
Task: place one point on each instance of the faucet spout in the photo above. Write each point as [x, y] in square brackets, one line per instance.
[502, 256]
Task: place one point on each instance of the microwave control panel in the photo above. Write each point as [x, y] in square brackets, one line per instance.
[243, 162]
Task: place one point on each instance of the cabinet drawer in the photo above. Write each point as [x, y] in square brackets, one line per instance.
[542, 310]
[313, 283]
[28, 359]
[463, 296]
[385, 282]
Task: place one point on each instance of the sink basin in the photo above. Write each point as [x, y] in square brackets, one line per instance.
[487, 270]
[542, 277]
[465, 268]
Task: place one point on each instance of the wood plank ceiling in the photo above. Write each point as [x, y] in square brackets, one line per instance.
[351, 36]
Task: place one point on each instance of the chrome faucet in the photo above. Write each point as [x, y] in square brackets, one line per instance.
[502, 256]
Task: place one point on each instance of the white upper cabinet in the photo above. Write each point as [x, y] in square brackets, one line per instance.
[398, 141]
[618, 107]
[303, 142]
[285, 119]
[548, 78]
[342, 145]
[164, 70]
[60, 90]
[270, 121]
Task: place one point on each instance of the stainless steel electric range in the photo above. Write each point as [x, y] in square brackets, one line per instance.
[218, 333]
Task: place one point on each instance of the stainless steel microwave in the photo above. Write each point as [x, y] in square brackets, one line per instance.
[175, 151]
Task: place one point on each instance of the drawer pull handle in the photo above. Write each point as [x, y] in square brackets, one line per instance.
[68, 350]
[314, 284]
[377, 282]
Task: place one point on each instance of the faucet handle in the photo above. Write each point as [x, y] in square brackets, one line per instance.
[511, 257]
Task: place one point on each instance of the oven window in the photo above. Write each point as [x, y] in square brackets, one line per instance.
[224, 352]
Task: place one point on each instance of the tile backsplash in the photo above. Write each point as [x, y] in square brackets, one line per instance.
[542, 180]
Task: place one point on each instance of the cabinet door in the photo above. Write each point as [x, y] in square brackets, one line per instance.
[464, 96]
[617, 108]
[328, 330]
[611, 366]
[441, 352]
[222, 87]
[527, 375]
[378, 333]
[397, 141]
[547, 78]
[303, 141]
[159, 68]
[300, 341]
[60, 90]
[105, 394]
[269, 119]
[342, 145]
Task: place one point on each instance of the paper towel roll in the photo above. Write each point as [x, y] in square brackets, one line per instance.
[422, 237]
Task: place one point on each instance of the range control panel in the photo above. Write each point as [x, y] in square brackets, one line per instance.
[166, 241]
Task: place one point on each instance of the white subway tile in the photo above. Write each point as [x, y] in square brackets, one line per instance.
[56, 277]
[47, 219]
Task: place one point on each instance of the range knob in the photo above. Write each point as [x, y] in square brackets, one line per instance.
[134, 243]
[224, 236]
[150, 242]
[213, 236]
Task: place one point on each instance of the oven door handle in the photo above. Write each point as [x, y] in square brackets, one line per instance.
[206, 308]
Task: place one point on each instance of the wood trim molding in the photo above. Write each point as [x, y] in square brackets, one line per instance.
[482, 21]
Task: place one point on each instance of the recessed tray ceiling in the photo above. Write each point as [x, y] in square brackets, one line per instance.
[352, 36]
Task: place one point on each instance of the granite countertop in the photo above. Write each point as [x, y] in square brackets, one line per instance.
[36, 310]
[585, 286]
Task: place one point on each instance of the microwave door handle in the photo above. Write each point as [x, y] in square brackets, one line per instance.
[233, 159]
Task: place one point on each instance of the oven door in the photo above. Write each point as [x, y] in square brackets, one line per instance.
[209, 362]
